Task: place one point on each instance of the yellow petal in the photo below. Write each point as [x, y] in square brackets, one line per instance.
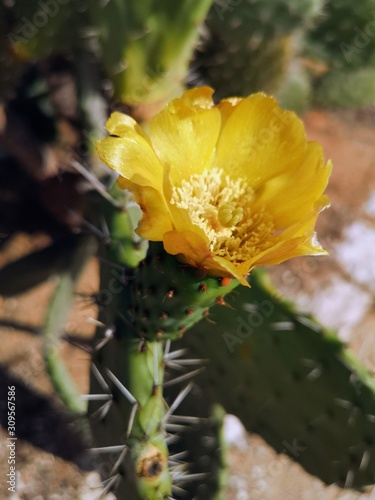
[133, 158]
[239, 271]
[296, 194]
[184, 138]
[155, 219]
[195, 251]
[296, 241]
[245, 158]
[260, 141]
[121, 124]
[200, 97]
[192, 246]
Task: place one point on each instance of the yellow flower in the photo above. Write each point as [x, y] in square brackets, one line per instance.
[225, 187]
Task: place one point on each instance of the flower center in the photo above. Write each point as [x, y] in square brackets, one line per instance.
[221, 207]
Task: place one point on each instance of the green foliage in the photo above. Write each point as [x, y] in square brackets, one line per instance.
[57, 312]
[165, 297]
[291, 381]
[295, 91]
[250, 44]
[344, 37]
[239, 69]
[346, 88]
[146, 46]
[143, 300]
[275, 18]
[40, 29]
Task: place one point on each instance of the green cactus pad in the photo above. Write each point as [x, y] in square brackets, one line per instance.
[248, 45]
[295, 91]
[41, 29]
[346, 89]
[276, 18]
[164, 297]
[146, 46]
[344, 36]
[291, 381]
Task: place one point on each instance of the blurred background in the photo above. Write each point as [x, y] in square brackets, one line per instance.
[64, 66]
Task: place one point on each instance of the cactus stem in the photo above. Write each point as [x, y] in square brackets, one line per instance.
[121, 388]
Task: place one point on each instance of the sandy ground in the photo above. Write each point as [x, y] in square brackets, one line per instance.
[339, 290]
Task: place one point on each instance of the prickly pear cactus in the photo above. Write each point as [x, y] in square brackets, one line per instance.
[295, 91]
[343, 41]
[346, 88]
[344, 36]
[146, 46]
[291, 381]
[41, 29]
[249, 45]
[152, 298]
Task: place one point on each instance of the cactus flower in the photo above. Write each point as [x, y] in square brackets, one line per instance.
[225, 187]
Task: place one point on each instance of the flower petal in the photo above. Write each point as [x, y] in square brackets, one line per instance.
[296, 241]
[239, 271]
[200, 97]
[155, 219]
[184, 137]
[260, 141]
[296, 194]
[192, 246]
[121, 124]
[132, 157]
